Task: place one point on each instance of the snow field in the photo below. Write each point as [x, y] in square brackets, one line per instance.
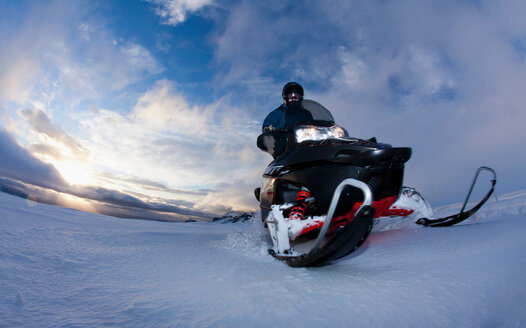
[65, 268]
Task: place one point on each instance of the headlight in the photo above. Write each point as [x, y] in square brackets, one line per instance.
[267, 189]
[310, 132]
[266, 194]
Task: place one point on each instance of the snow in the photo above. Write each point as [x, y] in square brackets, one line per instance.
[66, 268]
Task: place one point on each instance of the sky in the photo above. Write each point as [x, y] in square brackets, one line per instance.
[157, 104]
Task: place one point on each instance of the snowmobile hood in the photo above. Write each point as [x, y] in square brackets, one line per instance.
[360, 153]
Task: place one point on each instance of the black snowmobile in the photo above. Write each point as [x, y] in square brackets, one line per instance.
[322, 190]
[347, 181]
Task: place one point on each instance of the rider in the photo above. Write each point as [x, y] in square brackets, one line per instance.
[291, 112]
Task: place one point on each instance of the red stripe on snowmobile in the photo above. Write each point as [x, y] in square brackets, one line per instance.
[397, 212]
[380, 206]
[309, 228]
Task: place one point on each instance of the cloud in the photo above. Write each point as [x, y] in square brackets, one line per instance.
[165, 139]
[41, 124]
[17, 78]
[169, 150]
[61, 52]
[160, 108]
[18, 163]
[103, 201]
[106, 65]
[165, 150]
[173, 12]
[139, 59]
[19, 59]
[146, 184]
[138, 161]
[443, 78]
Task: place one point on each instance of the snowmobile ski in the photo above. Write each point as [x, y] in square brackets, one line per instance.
[463, 215]
[329, 245]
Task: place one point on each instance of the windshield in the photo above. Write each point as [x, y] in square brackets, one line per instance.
[319, 113]
[279, 141]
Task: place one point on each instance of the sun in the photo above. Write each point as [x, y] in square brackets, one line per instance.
[75, 173]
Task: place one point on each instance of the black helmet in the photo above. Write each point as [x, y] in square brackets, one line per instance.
[292, 91]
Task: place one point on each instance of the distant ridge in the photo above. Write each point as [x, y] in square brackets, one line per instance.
[235, 217]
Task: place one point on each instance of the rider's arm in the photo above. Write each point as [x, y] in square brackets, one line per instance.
[274, 120]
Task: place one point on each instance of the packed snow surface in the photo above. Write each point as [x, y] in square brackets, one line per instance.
[65, 268]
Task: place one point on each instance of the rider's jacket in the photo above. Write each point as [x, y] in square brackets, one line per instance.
[286, 116]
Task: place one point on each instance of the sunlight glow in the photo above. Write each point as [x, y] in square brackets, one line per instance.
[75, 173]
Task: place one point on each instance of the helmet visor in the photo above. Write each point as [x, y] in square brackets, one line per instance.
[293, 96]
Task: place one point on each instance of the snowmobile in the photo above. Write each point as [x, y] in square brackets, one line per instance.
[323, 189]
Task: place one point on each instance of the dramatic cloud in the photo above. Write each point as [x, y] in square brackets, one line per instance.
[19, 164]
[41, 123]
[444, 78]
[188, 147]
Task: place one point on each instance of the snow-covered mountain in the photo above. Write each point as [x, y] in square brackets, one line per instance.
[66, 268]
[235, 217]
